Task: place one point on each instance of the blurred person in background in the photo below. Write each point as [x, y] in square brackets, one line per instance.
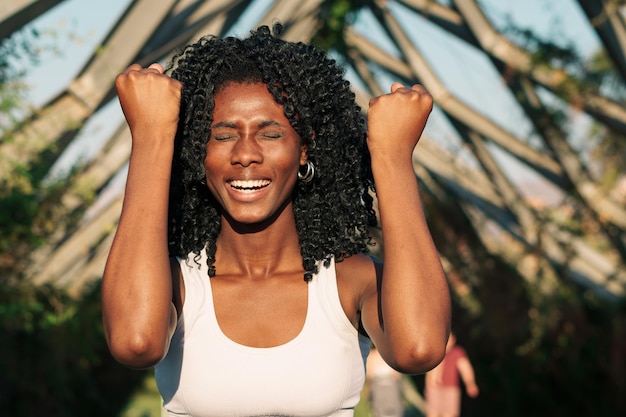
[384, 387]
[442, 389]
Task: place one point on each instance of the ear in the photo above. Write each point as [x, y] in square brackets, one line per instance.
[303, 154]
[305, 148]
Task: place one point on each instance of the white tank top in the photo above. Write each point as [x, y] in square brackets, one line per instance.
[318, 373]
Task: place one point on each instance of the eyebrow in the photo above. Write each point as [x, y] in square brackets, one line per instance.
[267, 123]
[224, 124]
[232, 125]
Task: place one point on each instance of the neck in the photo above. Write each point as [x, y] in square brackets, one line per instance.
[259, 251]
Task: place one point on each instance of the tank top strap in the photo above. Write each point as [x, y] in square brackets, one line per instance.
[327, 294]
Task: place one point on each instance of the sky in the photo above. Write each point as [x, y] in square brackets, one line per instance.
[81, 25]
[88, 22]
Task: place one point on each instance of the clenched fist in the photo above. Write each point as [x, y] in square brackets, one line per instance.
[150, 101]
[396, 120]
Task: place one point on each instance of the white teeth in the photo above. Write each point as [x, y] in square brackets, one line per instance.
[248, 185]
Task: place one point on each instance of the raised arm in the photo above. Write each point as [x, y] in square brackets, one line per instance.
[466, 370]
[138, 313]
[412, 325]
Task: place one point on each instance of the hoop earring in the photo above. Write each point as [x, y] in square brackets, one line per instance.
[308, 174]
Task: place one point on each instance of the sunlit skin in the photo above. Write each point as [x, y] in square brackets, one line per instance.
[253, 155]
[251, 167]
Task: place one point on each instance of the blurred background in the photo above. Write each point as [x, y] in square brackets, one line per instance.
[522, 171]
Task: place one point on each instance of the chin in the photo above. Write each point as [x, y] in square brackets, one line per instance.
[249, 222]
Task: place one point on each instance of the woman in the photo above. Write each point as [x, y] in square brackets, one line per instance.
[239, 266]
[442, 389]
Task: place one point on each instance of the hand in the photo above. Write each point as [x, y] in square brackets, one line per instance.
[396, 120]
[149, 99]
[472, 390]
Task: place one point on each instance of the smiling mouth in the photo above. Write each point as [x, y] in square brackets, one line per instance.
[250, 185]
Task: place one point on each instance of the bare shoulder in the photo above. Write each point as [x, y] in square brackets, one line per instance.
[358, 267]
[356, 280]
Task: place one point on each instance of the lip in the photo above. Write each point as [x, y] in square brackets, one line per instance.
[247, 190]
[248, 185]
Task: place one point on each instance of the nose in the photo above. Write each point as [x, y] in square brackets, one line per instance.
[246, 150]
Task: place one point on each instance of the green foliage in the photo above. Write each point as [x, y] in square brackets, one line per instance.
[600, 71]
[19, 47]
[544, 51]
[29, 214]
[13, 90]
[146, 402]
[29, 206]
[53, 357]
[579, 76]
[19, 208]
[54, 360]
[534, 353]
[575, 368]
[19, 195]
[609, 152]
[336, 15]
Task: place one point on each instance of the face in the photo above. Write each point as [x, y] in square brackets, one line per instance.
[253, 154]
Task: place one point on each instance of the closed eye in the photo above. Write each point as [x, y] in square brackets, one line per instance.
[224, 131]
[223, 137]
[271, 129]
[273, 135]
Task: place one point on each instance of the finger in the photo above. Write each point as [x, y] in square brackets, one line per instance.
[419, 88]
[157, 67]
[133, 67]
[396, 86]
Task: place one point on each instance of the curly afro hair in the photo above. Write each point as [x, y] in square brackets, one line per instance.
[334, 211]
